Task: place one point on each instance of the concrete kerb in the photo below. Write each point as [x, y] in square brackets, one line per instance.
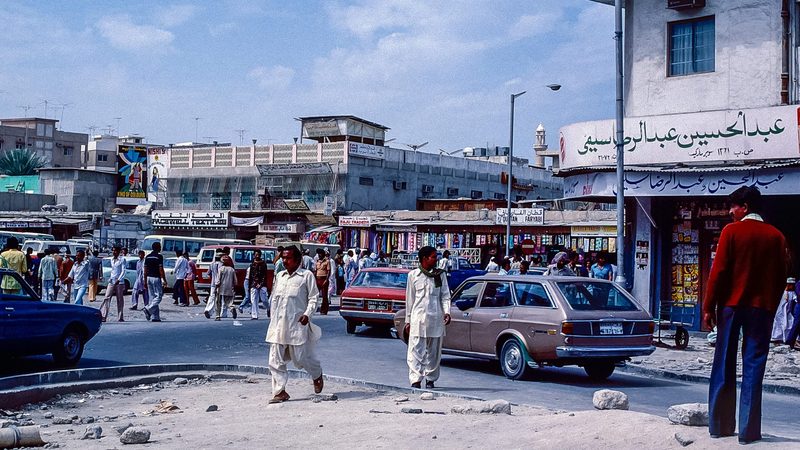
[666, 374]
[39, 387]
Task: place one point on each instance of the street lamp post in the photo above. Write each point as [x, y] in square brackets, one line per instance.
[620, 279]
[509, 239]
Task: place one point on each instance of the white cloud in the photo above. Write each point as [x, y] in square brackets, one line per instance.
[220, 29]
[272, 78]
[123, 34]
[531, 25]
[174, 15]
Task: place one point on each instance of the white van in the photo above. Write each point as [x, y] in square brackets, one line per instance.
[60, 247]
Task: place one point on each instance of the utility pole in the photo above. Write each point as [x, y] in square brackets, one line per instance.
[241, 135]
[117, 119]
[196, 122]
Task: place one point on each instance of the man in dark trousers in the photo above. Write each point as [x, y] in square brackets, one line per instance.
[744, 287]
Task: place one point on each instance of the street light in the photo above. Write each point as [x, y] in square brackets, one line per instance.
[620, 279]
[509, 239]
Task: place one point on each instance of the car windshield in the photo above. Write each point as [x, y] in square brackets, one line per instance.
[169, 263]
[395, 280]
[595, 296]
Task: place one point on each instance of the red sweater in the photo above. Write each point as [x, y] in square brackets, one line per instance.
[749, 268]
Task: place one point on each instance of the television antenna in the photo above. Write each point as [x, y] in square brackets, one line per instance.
[196, 122]
[241, 132]
[416, 147]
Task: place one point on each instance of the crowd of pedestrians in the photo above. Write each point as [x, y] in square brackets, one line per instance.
[564, 263]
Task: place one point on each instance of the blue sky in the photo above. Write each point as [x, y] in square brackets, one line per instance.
[437, 71]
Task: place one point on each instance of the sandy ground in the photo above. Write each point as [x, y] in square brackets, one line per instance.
[360, 418]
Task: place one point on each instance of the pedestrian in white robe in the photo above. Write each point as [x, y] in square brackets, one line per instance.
[427, 313]
[783, 316]
[291, 333]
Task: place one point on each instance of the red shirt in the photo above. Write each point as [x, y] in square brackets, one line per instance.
[749, 268]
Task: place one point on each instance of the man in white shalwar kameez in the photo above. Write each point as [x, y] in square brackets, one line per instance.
[291, 334]
[427, 313]
[784, 319]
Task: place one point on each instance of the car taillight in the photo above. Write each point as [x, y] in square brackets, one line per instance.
[651, 327]
[567, 328]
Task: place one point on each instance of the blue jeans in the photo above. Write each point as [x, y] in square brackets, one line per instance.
[795, 330]
[756, 324]
[80, 291]
[246, 299]
[48, 290]
[155, 291]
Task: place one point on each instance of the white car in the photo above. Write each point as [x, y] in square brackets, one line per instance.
[130, 272]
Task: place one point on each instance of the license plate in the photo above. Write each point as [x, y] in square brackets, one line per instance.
[377, 305]
[610, 328]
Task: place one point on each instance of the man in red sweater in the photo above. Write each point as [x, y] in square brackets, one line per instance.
[743, 292]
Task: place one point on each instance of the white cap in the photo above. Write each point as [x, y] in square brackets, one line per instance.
[790, 280]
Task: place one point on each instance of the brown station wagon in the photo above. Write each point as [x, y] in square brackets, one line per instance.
[530, 321]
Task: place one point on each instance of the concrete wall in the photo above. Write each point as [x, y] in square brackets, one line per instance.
[81, 190]
[18, 201]
[747, 63]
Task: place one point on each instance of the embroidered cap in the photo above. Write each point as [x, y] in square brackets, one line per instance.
[790, 280]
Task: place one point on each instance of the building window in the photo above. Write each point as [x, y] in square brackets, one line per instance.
[221, 201]
[499, 196]
[40, 129]
[102, 157]
[67, 151]
[691, 47]
[476, 195]
[452, 192]
[19, 145]
[365, 181]
[48, 145]
[189, 199]
[39, 144]
[246, 200]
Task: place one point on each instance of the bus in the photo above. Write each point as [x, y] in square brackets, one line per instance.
[186, 244]
[23, 236]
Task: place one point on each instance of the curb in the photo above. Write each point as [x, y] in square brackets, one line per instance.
[38, 387]
[666, 374]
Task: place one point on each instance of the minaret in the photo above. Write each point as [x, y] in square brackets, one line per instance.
[540, 146]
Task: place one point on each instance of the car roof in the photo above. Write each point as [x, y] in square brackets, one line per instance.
[522, 278]
[386, 269]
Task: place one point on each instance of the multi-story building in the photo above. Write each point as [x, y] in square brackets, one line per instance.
[711, 93]
[58, 148]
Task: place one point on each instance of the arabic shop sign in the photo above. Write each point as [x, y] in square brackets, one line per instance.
[366, 150]
[190, 219]
[520, 216]
[717, 136]
[781, 181]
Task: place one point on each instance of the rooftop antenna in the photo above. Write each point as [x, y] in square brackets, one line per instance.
[416, 147]
[109, 129]
[196, 121]
[209, 138]
[26, 108]
[61, 120]
[117, 119]
[241, 135]
[92, 129]
[46, 102]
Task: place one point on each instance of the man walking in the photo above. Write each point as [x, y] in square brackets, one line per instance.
[95, 273]
[79, 276]
[257, 282]
[427, 313]
[48, 273]
[742, 293]
[15, 260]
[64, 268]
[140, 286]
[226, 280]
[116, 286]
[322, 271]
[350, 269]
[181, 267]
[213, 271]
[188, 281]
[156, 281]
[291, 334]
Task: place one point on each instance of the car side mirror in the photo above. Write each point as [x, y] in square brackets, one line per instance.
[465, 304]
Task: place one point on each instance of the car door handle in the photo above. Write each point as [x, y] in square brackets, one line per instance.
[9, 308]
[466, 315]
[504, 315]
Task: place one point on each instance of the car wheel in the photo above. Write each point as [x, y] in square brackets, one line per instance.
[681, 338]
[599, 370]
[69, 349]
[351, 327]
[512, 360]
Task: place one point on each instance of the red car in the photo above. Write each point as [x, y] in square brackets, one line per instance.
[373, 297]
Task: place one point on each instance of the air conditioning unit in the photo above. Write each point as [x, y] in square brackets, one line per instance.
[399, 185]
[476, 195]
[427, 188]
[452, 192]
[685, 4]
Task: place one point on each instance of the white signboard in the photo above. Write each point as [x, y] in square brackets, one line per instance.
[780, 181]
[190, 219]
[290, 228]
[322, 128]
[330, 205]
[716, 136]
[366, 150]
[520, 216]
[157, 172]
[355, 221]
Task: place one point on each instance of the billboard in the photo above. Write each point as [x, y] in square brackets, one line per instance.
[157, 172]
[131, 174]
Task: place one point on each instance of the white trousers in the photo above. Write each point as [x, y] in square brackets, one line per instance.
[258, 296]
[303, 356]
[211, 304]
[423, 358]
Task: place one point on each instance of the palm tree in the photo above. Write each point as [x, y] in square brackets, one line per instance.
[19, 162]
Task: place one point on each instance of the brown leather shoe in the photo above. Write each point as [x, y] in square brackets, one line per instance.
[280, 397]
[318, 384]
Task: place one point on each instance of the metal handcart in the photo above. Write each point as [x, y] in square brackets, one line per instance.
[676, 316]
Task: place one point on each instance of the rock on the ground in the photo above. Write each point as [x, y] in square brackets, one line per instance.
[121, 429]
[492, 407]
[316, 398]
[88, 419]
[49, 415]
[93, 432]
[62, 420]
[147, 400]
[180, 380]
[400, 399]
[609, 399]
[786, 368]
[427, 396]
[780, 349]
[8, 423]
[411, 411]
[683, 440]
[691, 414]
[135, 435]
[212, 408]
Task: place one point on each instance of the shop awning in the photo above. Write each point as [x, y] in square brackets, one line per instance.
[325, 229]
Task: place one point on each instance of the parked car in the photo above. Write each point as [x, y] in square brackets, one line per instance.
[29, 326]
[169, 271]
[130, 272]
[373, 297]
[242, 258]
[530, 321]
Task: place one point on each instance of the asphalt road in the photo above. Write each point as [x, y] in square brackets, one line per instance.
[374, 356]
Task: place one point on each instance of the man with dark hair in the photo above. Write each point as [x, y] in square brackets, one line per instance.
[322, 271]
[79, 276]
[116, 286]
[575, 265]
[257, 282]
[291, 334]
[156, 282]
[505, 267]
[181, 268]
[743, 290]
[427, 313]
[64, 268]
[48, 273]
[95, 273]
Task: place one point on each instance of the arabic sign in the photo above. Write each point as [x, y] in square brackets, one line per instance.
[296, 205]
[247, 221]
[131, 175]
[157, 172]
[322, 128]
[317, 168]
[290, 228]
[87, 225]
[190, 219]
[784, 181]
[520, 216]
[30, 223]
[593, 231]
[747, 134]
[366, 150]
[355, 221]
